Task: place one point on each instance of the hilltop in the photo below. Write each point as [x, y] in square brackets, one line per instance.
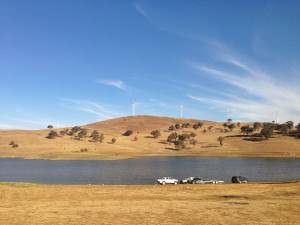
[34, 144]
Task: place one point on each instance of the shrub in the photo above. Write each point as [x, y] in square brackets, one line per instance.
[193, 142]
[257, 126]
[52, 134]
[82, 133]
[290, 124]
[11, 143]
[192, 134]
[200, 124]
[195, 126]
[177, 126]
[185, 125]
[127, 133]
[113, 140]
[267, 132]
[231, 126]
[75, 129]
[50, 127]
[62, 132]
[284, 129]
[179, 145]
[155, 133]
[171, 128]
[210, 128]
[221, 140]
[298, 127]
[247, 130]
[172, 137]
[184, 137]
[15, 145]
[83, 150]
[135, 138]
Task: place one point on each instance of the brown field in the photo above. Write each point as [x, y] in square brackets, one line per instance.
[251, 204]
[33, 144]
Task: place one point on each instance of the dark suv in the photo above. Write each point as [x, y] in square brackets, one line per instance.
[239, 180]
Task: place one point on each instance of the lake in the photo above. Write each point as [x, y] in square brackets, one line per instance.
[146, 170]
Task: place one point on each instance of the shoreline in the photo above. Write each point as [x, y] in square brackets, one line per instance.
[128, 157]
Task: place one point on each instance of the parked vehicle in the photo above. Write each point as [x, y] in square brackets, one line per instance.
[187, 180]
[197, 180]
[239, 179]
[167, 180]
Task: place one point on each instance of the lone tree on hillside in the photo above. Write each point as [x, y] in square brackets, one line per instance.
[229, 120]
[127, 133]
[97, 137]
[155, 133]
[49, 126]
[52, 135]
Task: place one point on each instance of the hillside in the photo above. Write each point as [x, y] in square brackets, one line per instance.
[139, 123]
[34, 144]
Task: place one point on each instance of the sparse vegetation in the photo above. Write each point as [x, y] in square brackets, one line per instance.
[128, 133]
[155, 133]
[113, 140]
[221, 140]
[15, 145]
[52, 135]
[83, 150]
[267, 132]
[81, 134]
[179, 145]
[50, 127]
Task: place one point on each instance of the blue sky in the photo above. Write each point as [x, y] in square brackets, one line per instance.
[72, 62]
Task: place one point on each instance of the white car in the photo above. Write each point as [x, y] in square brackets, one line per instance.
[167, 180]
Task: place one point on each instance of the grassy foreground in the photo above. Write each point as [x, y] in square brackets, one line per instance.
[181, 204]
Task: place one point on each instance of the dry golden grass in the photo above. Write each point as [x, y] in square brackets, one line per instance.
[23, 204]
[33, 144]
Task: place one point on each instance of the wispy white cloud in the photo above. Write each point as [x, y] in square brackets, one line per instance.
[101, 111]
[114, 83]
[267, 95]
[140, 10]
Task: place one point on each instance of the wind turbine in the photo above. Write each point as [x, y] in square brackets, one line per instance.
[181, 111]
[133, 108]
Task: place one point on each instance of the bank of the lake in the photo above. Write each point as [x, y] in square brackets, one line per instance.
[149, 204]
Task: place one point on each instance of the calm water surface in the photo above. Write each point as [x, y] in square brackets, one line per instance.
[146, 170]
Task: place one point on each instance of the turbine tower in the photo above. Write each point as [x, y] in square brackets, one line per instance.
[181, 111]
[133, 108]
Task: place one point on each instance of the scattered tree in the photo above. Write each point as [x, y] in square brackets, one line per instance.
[172, 137]
[177, 126]
[192, 134]
[11, 143]
[82, 134]
[231, 126]
[155, 133]
[193, 142]
[179, 145]
[290, 125]
[171, 128]
[50, 127]
[52, 135]
[267, 132]
[257, 126]
[127, 133]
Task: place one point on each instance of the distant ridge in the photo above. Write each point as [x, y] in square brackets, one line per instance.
[138, 123]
